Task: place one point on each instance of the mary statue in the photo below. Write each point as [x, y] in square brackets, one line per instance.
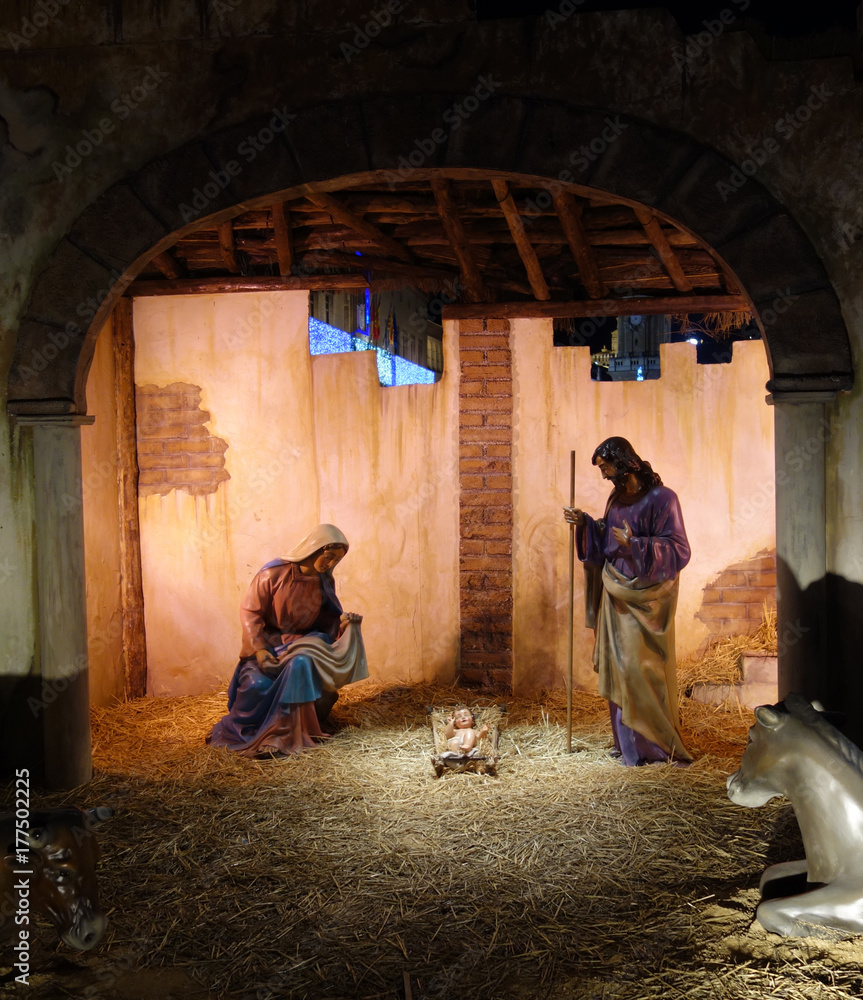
[298, 648]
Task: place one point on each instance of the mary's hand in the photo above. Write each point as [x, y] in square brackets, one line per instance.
[267, 663]
[350, 616]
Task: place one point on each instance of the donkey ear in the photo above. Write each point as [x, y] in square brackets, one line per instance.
[768, 716]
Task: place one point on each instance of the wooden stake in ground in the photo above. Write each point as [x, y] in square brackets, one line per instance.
[571, 603]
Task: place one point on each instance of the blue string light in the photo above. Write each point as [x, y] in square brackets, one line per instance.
[392, 369]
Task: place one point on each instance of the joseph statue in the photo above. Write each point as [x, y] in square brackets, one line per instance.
[633, 556]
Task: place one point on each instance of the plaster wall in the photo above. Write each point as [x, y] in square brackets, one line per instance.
[99, 495]
[309, 440]
[705, 429]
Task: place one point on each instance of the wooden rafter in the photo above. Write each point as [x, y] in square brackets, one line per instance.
[284, 238]
[569, 213]
[227, 247]
[519, 236]
[359, 225]
[167, 264]
[660, 305]
[458, 239]
[660, 244]
[263, 283]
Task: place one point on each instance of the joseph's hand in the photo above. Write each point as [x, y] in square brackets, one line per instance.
[572, 515]
[265, 658]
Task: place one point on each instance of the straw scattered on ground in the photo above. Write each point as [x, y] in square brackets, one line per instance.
[351, 871]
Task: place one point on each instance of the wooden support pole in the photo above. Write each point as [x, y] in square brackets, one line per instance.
[284, 238]
[660, 244]
[228, 246]
[131, 584]
[569, 214]
[522, 243]
[571, 605]
[640, 306]
[458, 239]
[342, 214]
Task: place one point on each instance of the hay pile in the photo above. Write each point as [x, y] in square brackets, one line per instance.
[350, 871]
[720, 663]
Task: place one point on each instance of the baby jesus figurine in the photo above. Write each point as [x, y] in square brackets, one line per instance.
[461, 734]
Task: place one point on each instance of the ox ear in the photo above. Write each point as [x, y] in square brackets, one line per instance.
[768, 716]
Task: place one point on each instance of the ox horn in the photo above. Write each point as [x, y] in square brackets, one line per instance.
[99, 815]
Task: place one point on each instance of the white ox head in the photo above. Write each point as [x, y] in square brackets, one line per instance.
[764, 768]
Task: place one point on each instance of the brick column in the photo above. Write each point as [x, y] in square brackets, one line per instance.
[485, 502]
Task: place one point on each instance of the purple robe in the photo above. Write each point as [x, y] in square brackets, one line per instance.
[634, 619]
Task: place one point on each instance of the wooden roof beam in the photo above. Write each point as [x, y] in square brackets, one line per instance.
[519, 236]
[569, 213]
[458, 239]
[262, 283]
[228, 247]
[644, 305]
[284, 238]
[167, 264]
[660, 244]
[359, 225]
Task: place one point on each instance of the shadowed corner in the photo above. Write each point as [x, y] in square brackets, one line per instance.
[820, 637]
[20, 732]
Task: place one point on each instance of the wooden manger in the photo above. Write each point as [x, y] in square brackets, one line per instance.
[485, 758]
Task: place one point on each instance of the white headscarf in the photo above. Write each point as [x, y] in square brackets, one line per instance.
[324, 534]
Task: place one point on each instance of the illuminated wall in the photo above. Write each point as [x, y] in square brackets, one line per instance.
[310, 439]
[313, 439]
[705, 429]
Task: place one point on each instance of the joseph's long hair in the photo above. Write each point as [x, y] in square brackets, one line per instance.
[622, 455]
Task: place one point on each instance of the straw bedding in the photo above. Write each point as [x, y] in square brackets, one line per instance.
[351, 871]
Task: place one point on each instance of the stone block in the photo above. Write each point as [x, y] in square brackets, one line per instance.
[774, 260]
[638, 161]
[401, 134]
[759, 668]
[265, 161]
[808, 344]
[183, 187]
[116, 228]
[696, 201]
[44, 369]
[71, 288]
[490, 137]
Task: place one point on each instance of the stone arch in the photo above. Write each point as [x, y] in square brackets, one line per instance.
[669, 171]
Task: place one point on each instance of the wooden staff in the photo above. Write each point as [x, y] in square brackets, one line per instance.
[571, 603]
